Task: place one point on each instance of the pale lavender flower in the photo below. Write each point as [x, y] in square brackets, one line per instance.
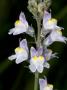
[44, 85]
[21, 52]
[37, 61]
[55, 35]
[21, 26]
[49, 23]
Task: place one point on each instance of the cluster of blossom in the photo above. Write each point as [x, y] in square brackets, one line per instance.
[50, 26]
[38, 57]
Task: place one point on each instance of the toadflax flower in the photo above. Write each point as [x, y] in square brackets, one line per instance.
[37, 61]
[55, 35]
[21, 26]
[49, 23]
[21, 52]
[44, 85]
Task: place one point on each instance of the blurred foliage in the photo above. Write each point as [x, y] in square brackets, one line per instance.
[17, 77]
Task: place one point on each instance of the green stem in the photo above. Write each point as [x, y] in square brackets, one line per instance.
[38, 45]
[39, 31]
[36, 81]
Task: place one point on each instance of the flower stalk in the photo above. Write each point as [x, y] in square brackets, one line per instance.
[39, 31]
[36, 80]
[38, 46]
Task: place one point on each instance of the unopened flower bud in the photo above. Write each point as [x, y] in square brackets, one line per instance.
[41, 8]
[32, 6]
[47, 3]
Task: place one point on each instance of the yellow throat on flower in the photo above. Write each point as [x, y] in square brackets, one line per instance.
[49, 87]
[18, 22]
[19, 50]
[52, 20]
[35, 58]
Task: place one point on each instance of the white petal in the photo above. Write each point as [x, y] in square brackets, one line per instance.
[61, 39]
[59, 28]
[32, 68]
[46, 65]
[40, 62]
[21, 57]
[19, 30]
[11, 31]
[40, 68]
[12, 57]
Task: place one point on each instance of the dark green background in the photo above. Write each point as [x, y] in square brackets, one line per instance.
[17, 77]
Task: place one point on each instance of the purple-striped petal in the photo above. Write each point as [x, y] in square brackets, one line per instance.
[42, 83]
[46, 17]
[40, 51]
[23, 44]
[22, 16]
[33, 52]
